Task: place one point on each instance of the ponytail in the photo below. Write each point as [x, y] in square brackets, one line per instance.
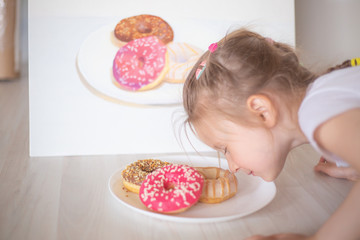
[348, 63]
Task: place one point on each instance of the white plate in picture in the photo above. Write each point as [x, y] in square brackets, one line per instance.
[253, 194]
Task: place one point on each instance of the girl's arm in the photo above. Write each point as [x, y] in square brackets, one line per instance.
[341, 136]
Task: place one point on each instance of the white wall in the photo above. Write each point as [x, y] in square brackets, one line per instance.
[327, 31]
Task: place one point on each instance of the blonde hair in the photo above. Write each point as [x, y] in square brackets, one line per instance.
[244, 63]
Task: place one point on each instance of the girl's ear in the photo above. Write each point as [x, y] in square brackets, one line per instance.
[263, 108]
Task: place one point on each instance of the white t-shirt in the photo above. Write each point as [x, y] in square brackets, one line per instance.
[328, 96]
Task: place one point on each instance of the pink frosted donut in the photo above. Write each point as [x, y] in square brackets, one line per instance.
[171, 189]
[140, 64]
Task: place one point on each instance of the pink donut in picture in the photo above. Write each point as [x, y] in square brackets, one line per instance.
[140, 64]
[171, 189]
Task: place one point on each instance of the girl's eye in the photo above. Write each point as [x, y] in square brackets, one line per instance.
[225, 150]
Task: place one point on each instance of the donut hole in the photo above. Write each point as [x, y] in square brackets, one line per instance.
[147, 169]
[141, 62]
[169, 186]
[144, 27]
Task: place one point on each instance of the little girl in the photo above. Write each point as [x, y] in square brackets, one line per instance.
[250, 98]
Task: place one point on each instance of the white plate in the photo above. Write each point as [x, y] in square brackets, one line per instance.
[253, 194]
[94, 62]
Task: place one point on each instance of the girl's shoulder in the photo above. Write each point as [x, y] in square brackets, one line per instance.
[328, 96]
[333, 92]
[343, 78]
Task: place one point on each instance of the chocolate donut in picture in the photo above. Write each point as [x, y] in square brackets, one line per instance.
[141, 26]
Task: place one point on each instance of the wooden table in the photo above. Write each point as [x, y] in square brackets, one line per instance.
[68, 197]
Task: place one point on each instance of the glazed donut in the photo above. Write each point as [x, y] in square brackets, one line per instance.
[219, 184]
[182, 57]
[134, 174]
[171, 189]
[141, 26]
[141, 64]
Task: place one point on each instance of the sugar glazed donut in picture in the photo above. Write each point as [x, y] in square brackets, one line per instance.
[219, 184]
[182, 58]
[141, 26]
[140, 64]
[171, 189]
[134, 174]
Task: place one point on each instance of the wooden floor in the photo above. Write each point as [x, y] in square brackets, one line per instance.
[14, 127]
[14, 146]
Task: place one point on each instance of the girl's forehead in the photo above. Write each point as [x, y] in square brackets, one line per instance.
[210, 136]
[219, 130]
[215, 122]
[215, 129]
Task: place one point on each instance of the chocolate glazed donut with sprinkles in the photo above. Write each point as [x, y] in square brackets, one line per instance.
[171, 189]
[134, 174]
[144, 25]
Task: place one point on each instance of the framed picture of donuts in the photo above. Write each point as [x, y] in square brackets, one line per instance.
[144, 64]
[107, 77]
[147, 57]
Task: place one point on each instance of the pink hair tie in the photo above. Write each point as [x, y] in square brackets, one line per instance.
[202, 65]
[212, 48]
[269, 40]
[200, 69]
